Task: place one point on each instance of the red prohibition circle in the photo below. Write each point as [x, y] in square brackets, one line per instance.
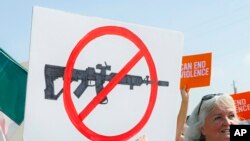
[77, 119]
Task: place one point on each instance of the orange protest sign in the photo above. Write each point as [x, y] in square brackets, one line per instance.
[242, 103]
[196, 70]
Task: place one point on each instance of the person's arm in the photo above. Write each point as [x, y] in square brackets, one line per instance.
[181, 119]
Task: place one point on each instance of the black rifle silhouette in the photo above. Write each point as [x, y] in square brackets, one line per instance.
[52, 73]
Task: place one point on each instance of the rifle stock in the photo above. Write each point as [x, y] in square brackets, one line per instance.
[51, 74]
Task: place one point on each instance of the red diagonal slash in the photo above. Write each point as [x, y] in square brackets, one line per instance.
[116, 79]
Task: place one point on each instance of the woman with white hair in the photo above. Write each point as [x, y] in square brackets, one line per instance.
[211, 119]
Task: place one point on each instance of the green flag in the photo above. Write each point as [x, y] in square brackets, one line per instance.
[13, 80]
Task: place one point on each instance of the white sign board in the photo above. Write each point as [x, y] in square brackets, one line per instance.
[120, 80]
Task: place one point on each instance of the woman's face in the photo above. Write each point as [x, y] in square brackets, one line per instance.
[217, 124]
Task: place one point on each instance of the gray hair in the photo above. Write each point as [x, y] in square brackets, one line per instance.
[195, 121]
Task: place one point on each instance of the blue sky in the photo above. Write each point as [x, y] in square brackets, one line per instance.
[218, 26]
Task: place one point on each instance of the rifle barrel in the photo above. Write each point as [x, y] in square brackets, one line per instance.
[163, 83]
[159, 83]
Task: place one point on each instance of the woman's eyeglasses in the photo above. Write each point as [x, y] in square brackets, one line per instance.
[207, 97]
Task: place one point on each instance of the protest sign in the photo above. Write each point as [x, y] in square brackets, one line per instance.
[98, 79]
[196, 70]
[242, 103]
